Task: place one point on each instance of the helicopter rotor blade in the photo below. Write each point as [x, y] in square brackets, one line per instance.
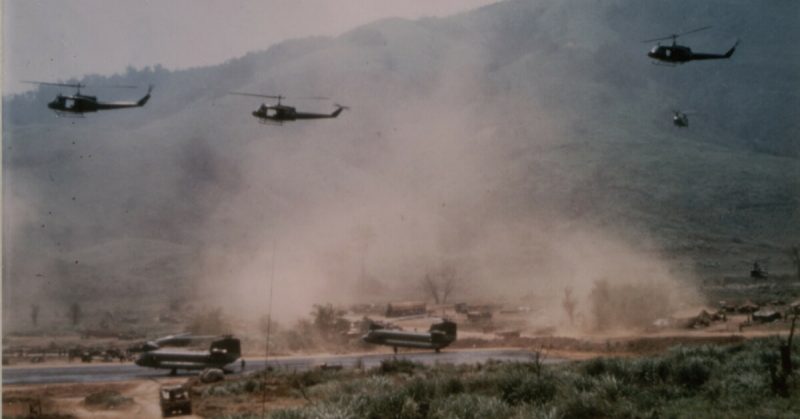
[44, 83]
[81, 85]
[694, 30]
[658, 39]
[280, 97]
[675, 35]
[257, 95]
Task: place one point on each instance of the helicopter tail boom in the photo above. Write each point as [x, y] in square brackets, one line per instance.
[143, 101]
[728, 54]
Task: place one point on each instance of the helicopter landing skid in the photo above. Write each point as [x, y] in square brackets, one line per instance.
[665, 64]
[269, 122]
[62, 114]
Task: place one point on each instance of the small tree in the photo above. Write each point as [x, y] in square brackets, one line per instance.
[35, 314]
[796, 259]
[780, 372]
[441, 284]
[329, 321]
[432, 288]
[448, 282]
[75, 313]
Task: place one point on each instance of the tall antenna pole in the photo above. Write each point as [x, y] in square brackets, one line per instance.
[269, 328]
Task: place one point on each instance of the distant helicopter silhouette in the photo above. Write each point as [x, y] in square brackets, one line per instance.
[680, 119]
[679, 54]
[79, 104]
[278, 113]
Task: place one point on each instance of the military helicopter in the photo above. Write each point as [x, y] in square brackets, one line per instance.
[437, 337]
[79, 104]
[221, 353]
[679, 54]
[680, 119]
[278, 113]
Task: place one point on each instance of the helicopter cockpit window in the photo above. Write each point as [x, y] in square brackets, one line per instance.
[654, 50]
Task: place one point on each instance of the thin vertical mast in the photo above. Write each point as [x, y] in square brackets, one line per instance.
[269, 328]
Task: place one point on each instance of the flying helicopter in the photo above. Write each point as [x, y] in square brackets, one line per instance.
[79, 104]
[679, 54]
[280, 113]
[680, 119]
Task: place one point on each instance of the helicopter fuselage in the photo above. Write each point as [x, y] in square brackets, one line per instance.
[679, 54]
[680, 119]
[672, 54]
[281, 113]
[80, 104]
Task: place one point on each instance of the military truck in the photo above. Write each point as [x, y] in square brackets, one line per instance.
[175, 401]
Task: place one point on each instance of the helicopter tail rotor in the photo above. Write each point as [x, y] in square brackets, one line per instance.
[339, 109]
[143, 101]
[732, 50]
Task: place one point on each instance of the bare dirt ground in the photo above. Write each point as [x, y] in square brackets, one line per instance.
[68, 400]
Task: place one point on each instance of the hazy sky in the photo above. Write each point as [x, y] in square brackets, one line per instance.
[58, 39]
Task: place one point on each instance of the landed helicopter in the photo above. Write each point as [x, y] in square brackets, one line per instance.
[79, 104]
[278, 113]
[221, 352]
[439, 335]
[679, 54]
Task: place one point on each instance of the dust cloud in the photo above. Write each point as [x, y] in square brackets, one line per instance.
[459, 151]
[412, 180]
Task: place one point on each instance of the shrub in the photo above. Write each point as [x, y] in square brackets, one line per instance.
[469, 406]
[396, 366]
[619, 368]
[107, 399]
[452, 385]
[240, 386]
[521, 388]
[420, 389]
[316, 411]
[585, 405]
[692, 372]
[385, 405]
[651, 371]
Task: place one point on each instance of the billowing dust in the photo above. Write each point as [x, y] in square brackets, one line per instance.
[436, 166]
[360, 209]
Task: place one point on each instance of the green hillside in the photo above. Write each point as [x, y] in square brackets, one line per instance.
[517, 142]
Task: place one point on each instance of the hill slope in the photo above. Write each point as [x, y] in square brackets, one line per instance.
[529, 144]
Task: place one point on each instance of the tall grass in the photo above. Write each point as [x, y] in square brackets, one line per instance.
[703, 381]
